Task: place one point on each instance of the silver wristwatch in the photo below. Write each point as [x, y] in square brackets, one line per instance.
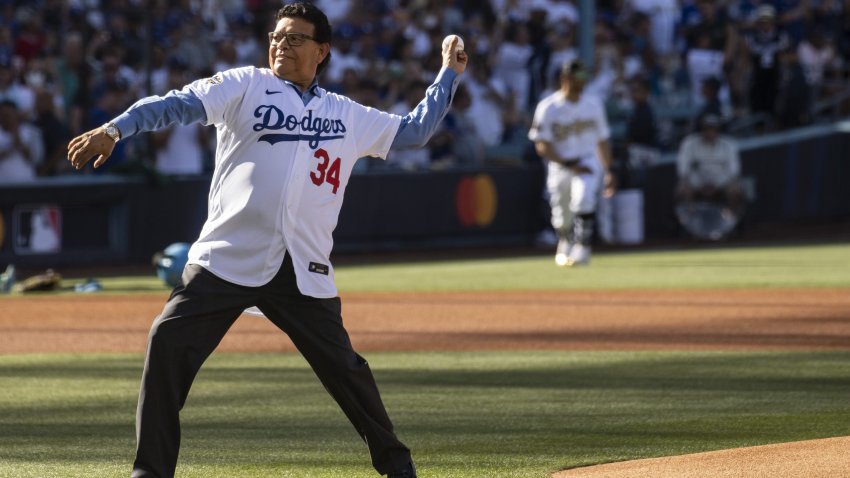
[112, 131]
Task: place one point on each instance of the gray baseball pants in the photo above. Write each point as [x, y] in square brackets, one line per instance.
[193, 322]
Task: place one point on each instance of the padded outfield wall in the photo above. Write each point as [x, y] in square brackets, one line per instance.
[801, 176]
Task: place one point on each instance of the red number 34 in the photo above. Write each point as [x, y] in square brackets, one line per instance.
[323, 173]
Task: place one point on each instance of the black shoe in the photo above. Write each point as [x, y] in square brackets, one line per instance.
[407, 471]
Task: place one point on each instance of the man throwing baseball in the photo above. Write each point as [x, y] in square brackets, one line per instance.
[571, 132]
[286, 148]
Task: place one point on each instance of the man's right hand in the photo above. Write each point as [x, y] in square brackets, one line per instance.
[94, 143]
[456, 60]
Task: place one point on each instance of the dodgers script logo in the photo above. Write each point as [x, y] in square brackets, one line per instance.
[273, 118]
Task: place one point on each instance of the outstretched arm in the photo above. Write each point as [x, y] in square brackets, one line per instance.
[603, 148]
[417, 127]
[147, 114]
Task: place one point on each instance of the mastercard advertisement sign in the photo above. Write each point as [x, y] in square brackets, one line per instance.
[476, 200]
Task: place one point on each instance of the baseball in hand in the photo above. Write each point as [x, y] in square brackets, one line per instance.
[447, 41]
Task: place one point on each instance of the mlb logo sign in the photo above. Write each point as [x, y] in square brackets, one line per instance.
[38, 229]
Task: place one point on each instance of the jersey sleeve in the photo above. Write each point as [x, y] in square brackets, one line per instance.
[375, 130]
[221, 92]
[539, 125]
[156, 112]
[419, 125]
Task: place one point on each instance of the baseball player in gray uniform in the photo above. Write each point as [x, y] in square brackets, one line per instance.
[571, 132]
[286, 148]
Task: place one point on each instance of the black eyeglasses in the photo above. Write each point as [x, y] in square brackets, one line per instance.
[293, 39]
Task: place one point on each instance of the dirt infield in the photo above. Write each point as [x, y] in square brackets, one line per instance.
[778, 319]
[805, 459]
[768, 319]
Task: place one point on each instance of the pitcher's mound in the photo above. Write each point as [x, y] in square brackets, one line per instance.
[828, 458]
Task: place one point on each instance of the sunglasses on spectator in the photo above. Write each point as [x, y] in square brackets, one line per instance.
[293, 39]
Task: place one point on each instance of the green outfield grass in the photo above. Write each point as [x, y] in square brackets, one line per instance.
[465, 415]
[825, 265]
[487, 415]
[787, 266]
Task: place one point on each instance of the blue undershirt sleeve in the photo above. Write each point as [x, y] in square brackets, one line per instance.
[417, 126]
[156, 112]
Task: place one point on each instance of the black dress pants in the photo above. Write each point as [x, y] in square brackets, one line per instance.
[193, 322]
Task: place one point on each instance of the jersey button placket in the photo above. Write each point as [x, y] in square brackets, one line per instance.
[295, 183]
[301, 162]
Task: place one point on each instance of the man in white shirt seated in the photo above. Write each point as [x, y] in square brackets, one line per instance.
[709, 167]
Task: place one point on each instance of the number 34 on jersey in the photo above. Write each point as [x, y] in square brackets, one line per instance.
[326, 171]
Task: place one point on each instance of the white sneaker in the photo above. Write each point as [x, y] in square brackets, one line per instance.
[562, 253]
[579, 255]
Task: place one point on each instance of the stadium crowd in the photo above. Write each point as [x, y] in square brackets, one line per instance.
[70, 65]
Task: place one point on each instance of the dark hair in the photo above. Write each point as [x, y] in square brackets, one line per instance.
[311, 13]
[712, 82]
[711, 120]
[642, 81]
[574, 68]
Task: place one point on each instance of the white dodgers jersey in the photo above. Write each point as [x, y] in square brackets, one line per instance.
[573, 129]
[280, 175]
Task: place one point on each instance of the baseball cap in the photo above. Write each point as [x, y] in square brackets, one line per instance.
[765, 12]
[576, 69]
[539, 5]
[711, 120]
[712, 81]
